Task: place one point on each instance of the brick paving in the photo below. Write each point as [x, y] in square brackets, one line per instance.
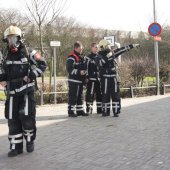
[138, 140]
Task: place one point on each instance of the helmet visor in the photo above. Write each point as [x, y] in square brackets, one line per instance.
[12, 40]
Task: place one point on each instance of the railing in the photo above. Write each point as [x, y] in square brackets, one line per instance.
[131, 89]
[164, 86]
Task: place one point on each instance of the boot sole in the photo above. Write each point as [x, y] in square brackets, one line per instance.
[19, 152]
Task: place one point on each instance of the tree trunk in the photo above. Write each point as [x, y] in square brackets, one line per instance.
[51, 71]
[42, 52]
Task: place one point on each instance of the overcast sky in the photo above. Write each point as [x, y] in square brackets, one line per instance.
[131, 15]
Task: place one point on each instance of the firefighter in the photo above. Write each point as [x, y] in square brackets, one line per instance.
[18, 74]
[93, 83]
[76, 69]
[109, 80]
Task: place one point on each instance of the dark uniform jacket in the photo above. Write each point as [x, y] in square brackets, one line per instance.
[18, 65]
[108, 64]
[92, 68]
[75, 63]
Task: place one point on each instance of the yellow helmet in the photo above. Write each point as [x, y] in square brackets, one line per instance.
[104, 44]
[12, 30]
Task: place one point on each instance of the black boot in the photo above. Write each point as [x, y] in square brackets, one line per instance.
[14, 152]
[82, 113]
[30, 146]
[105, 114]
[71, 114]
[99, 111]
[116, 115]
[108, 112]
[89, 110]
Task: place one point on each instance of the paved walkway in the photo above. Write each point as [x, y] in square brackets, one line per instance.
[138, 140]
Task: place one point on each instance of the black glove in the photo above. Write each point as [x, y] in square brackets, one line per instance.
[32, 75]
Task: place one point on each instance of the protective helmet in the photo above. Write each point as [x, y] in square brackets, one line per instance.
[104, 44]
[12, 30]
[12, 37]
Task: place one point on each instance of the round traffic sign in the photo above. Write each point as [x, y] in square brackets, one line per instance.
[154, 29]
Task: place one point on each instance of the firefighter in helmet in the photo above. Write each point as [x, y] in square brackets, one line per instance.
[109, 79]
[18, 75]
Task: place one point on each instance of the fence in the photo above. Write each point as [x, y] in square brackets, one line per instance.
[164, 90]
[130, 89]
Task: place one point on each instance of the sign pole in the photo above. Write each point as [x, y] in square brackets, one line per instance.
[156, 53]
[55, 63]
[55, 44]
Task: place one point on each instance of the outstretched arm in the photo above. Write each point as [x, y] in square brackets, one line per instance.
[122, 50]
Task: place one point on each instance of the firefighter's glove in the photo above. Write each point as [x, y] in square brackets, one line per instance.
[136, 45]
[32, 75]
[110, 54]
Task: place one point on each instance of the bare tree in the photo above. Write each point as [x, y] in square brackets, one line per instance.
[164, 73]
[8, 17]
[43, 12]
[140, 68]
[125, 74]
[12, 16]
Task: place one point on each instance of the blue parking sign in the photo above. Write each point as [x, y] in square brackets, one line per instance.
[154, 29]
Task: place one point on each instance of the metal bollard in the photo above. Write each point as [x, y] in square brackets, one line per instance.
[131, 89]
[42, 98]
[163, 89]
